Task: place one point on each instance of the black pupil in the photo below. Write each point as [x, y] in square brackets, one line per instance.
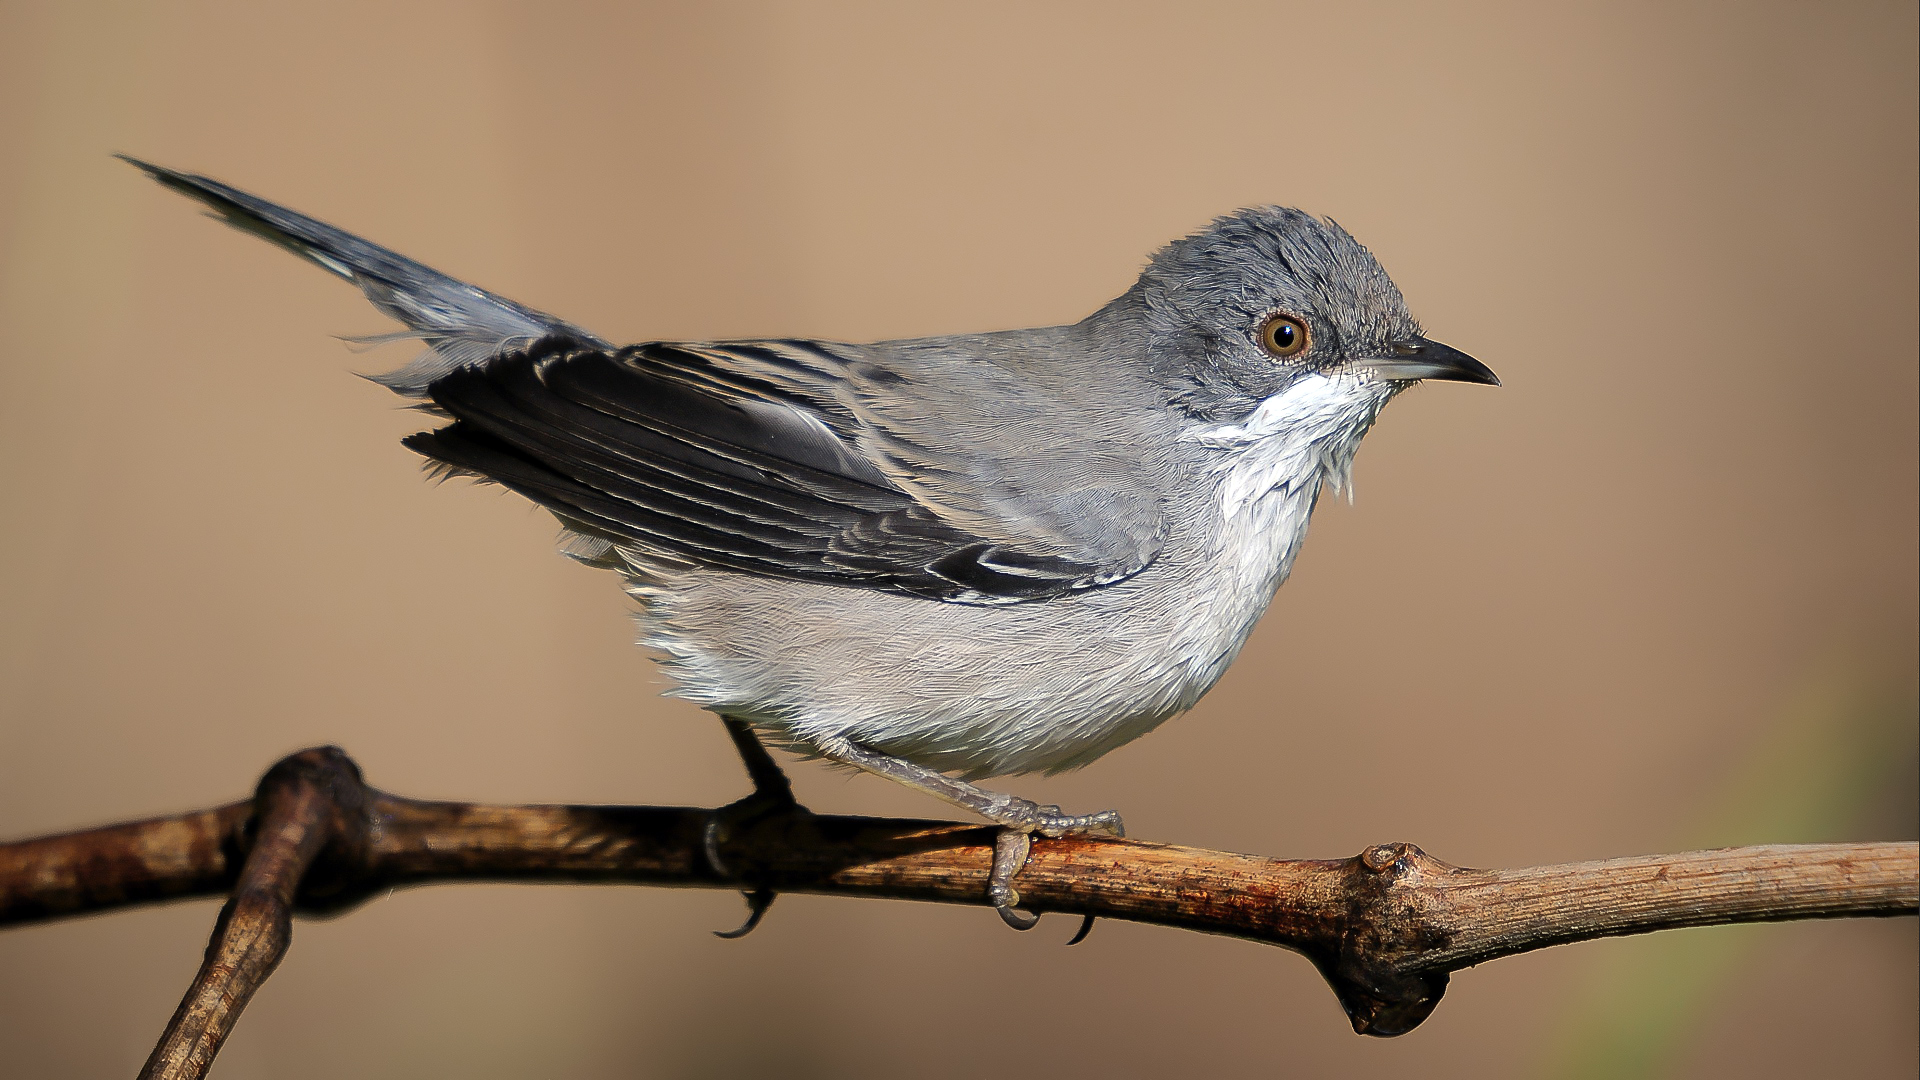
[1283, 334]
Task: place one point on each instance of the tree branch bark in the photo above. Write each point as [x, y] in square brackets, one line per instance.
[1385, 927]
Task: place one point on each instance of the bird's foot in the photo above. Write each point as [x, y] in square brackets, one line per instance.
[1010, 850]
[772, 796]
[1021, 820]
[730, 821]
[737, 817]
[1051, 821]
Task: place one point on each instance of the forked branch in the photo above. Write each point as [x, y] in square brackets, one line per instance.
[1385, 927]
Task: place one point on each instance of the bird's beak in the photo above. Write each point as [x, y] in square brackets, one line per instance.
[1423, 359]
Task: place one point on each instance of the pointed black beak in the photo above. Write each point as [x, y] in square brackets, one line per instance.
[1423, 359]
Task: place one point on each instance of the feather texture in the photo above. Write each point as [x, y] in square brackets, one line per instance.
[694, 452]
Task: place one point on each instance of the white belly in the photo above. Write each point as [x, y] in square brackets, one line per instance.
[981, 691]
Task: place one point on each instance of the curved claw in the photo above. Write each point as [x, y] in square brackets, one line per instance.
[1086, 927]
[758, 901]
[1019, 920]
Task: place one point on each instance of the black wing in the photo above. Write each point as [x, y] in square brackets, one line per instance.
[672, 450]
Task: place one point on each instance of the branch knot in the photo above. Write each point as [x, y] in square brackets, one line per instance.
[322, 788]
[1385, 925]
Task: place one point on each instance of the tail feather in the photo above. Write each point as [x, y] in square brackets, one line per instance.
[461, 323]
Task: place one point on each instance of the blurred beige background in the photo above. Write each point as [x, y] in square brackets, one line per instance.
[1658, 592]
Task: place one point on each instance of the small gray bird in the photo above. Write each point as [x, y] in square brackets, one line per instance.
[940, 559]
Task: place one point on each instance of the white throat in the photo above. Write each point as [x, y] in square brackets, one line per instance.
[1294, 441]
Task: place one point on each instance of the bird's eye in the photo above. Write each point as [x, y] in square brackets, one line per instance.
[1283, 335]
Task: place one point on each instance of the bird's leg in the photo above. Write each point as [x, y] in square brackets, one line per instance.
[769, 782]
[1019, 818]
[996, 806]
[772, 794]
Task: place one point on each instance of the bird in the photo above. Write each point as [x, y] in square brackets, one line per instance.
[942, 559]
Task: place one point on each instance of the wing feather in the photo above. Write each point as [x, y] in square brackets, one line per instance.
[726, 455]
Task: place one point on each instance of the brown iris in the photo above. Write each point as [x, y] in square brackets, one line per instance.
[1283, 335]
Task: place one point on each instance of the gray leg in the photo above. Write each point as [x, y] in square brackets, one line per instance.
[996, 806]
[1020, 818]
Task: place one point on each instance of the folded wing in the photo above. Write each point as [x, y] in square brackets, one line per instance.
[699, 453]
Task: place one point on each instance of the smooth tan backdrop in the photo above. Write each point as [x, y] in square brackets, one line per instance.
[1659, 591]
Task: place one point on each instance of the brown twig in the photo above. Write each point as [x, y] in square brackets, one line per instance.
[307, 803]
[1385, 927]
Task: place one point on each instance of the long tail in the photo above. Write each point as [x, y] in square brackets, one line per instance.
[461, 323]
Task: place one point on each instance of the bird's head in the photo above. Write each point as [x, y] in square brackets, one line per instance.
[1244, 309]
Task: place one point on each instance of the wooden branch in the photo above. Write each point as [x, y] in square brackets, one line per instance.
[306, 803]
[1385, 927]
